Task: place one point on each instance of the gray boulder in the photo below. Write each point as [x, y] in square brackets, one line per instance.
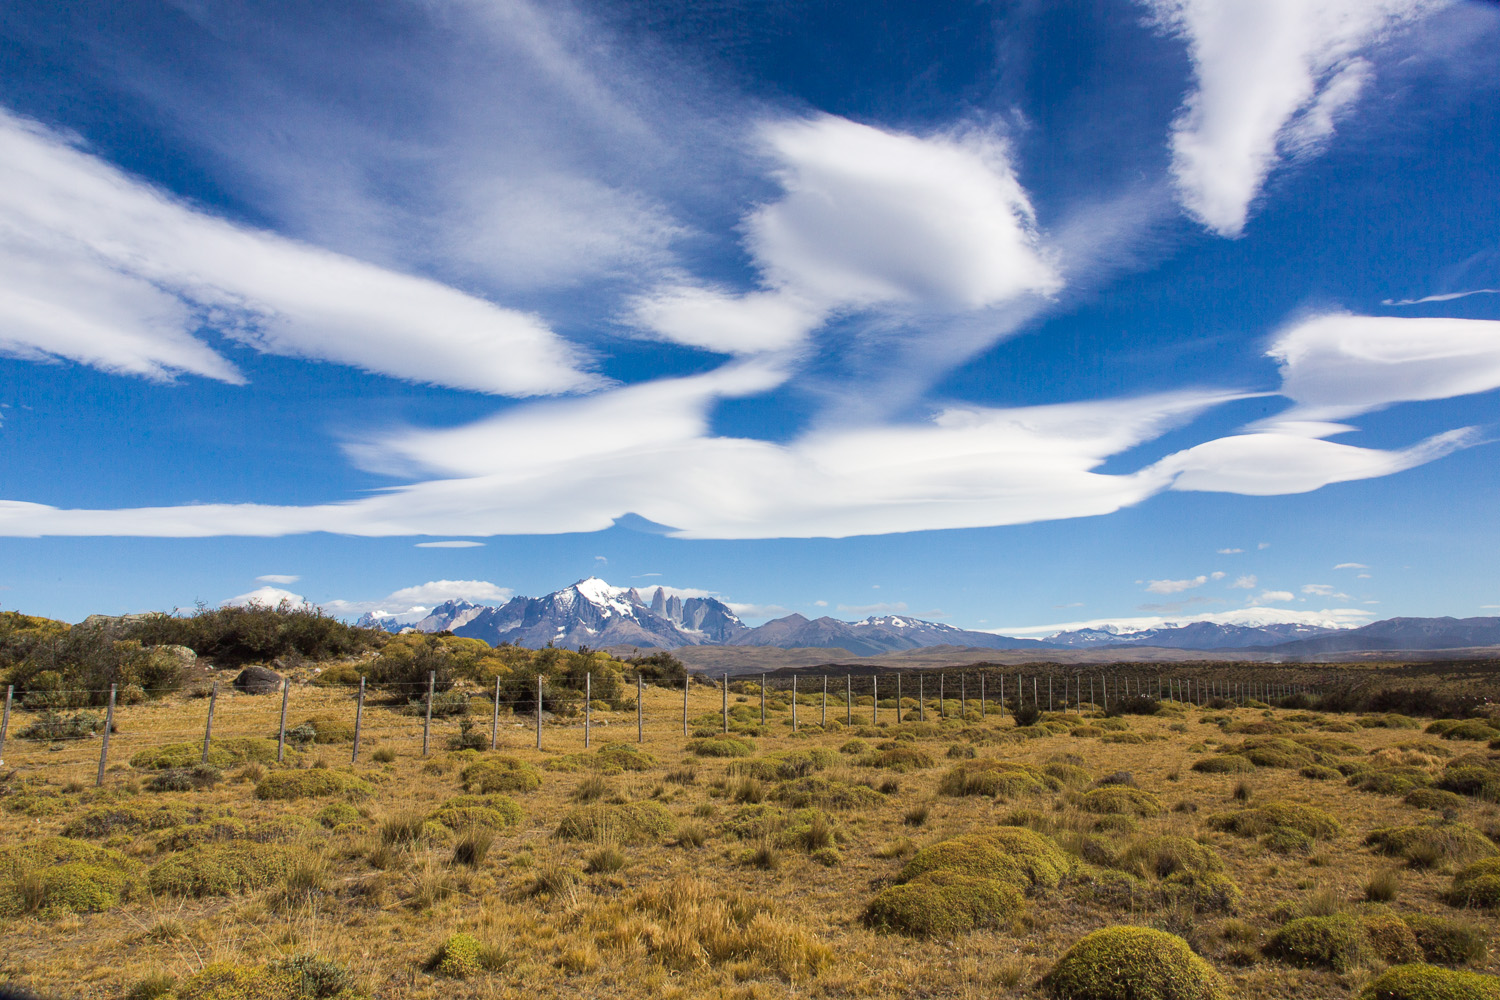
[258, 680]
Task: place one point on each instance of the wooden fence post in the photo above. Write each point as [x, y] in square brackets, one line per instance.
[588, 707]
[1035, 700]
[359, 718]
[10, 691]
[942, 708]
[539, 711]
[1002, 694]
[686, 677]
[725, 710]
[1049, 692]
[794, 703]
[982, 706]
[874, 699]
[848, 699]
[825, 701]
[286, 691]
[109, 722]
[762, 699]
[921, 697]
[208, 728]
[495, 721]
[427, 725]
[963, 695]
[640, 710]
[898, 698]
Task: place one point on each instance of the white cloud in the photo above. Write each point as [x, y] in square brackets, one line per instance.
[1272, 77]
[820, 604]
[718, 320]
[413, 602]
[1323, 590]
[1362, 576]
[268, 597]
[1217, 575]
[872, 216]
[1337, 366]
[277, 578]
[1273, 597]
[1230, 552]
[754, 611]
[1448, 297]
[1174, 586]
[100, 269]
[1263, 545]
[1243, 582]
[453, 544]
[1351, 565]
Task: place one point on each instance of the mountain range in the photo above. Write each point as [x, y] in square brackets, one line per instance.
[593, 613]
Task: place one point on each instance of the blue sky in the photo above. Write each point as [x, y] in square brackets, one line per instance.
[1012, 315]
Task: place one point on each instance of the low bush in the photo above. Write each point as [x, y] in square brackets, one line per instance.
[902, 759]
[1122, 799]
[1479, 781]
[1320, 772]
[221, 869]
[826, 793]
[1224, 763]
[624, 822]
[322, 728]
[1133, 963]
[1336, 942]
[51, 875]
[221, 753]
[996, 778]
[1477, 884]
[720, 746]
[488, 812]
[1261, 820]
[1432, 845]
[337, 814]
[499, 774]
[56, 726]
[1447, 941]
[107, 821]
[457, 957]
[1435, 799]
[311, 783]
[1430, 982]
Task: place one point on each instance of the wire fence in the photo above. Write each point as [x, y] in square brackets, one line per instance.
[365, 716]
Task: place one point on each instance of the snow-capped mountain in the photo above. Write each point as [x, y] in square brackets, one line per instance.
[593, 613]
[446, 616]
[1193, 635]
[872, 636]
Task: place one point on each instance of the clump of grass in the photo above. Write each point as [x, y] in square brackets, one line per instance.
[51, 875]
[1243, 791]
[996, 778]
[764, 854]
[499, 774]
[1477, 884]
[591, 789]
[310, 783]
[473, 846]
[384, 755]
[1383, 887]
[223, 869]
[720, 746]
[1224, 764]
[917, 814]
[1261, 820]
[605, 860]
[1448, 941]
[1432, 846]
[1416, 981]
[403, 830]
[748, 789]
[1335, 942]
[624, 822]
[1122, 799]
[493, 812]
[1126, 963]
[691, 834]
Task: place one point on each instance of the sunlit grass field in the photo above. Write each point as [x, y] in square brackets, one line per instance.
[769, 863]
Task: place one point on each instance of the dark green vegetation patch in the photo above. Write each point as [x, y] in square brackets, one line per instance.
[1133, 963]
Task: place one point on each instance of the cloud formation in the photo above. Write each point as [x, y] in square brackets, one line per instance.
[413, 602]
[1272, 79]
[100, 269]
[1252, 616]
[280, 578]
[1174, 586]
[268, 597]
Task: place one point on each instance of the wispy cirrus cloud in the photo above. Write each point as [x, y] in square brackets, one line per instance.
[1272, 78]
[101, 269]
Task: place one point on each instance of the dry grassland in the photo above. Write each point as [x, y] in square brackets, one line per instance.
[701, 875]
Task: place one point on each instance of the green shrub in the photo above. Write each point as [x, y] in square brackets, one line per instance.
[1435, 799]
[491, 812]
[1477, 884]
[1429, 846]
[222, 869]
[624, 822]
[1336, 942]
[826, 793]
[1319, 772]
[225, 981]
[222, 753]
[996, 778]
[1133, 963]
[314, 782]
[500, 774]
[720, 746]
[1191, 874]
[59, 874]
[55, 726]
[456, 958]
[322, 728]
[1285, 840]
[944, 904]
[316, 978]
[107, 821]
[1122, 799]
[1429, 982]
[615, 758]
[337, 814]
[1446, 941]
[1471, 779]
[1014, 855]
[1472, 729]
[902, 759]
[1225, 763]
[1261, 820]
